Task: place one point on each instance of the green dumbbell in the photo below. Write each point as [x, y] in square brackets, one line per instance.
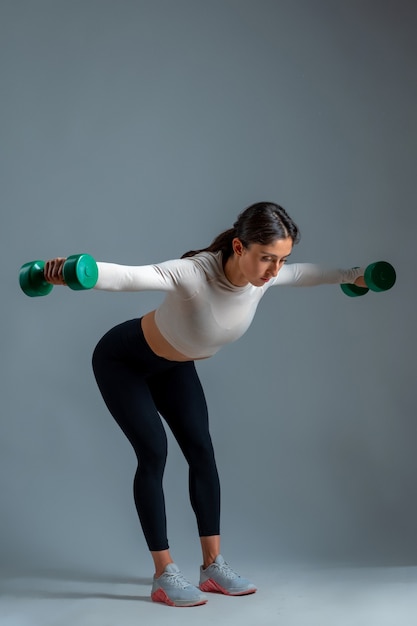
[80, 272]
[379, 276]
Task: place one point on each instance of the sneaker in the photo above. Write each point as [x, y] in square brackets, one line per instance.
[173, 589]
[220, 578]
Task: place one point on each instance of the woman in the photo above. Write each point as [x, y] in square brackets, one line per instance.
[145, 369]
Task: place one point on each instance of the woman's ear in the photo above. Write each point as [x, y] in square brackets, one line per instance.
[237, 246]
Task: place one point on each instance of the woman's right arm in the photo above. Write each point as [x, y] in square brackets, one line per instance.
[114, 277]
[178, 274]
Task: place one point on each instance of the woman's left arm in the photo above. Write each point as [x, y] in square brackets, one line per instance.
[310, 275]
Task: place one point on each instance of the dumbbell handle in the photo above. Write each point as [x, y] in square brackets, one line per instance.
[54, 271]
[379, 276]
[79, 272]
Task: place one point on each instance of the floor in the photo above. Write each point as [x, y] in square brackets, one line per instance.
[287, 596]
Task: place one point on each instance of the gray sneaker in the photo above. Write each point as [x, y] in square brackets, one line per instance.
[173, 589]
[220, 578]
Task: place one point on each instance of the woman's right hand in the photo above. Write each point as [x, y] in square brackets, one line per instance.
[53, 271]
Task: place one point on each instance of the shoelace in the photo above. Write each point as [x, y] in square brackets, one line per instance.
[227, 571]
[177, 580]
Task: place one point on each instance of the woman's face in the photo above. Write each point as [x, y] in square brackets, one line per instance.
[259, 263]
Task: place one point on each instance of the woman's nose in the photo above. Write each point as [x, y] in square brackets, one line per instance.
[274, 268]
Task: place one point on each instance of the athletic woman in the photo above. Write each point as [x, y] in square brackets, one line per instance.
[145, 369]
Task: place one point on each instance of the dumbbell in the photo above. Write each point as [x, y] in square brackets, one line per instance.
[379, 276]
[80, 272]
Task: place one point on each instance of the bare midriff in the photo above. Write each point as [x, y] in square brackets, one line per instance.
[157, 342]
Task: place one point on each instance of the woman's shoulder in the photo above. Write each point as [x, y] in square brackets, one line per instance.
[201, 266]
[209, 263]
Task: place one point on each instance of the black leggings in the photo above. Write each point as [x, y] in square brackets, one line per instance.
[137, 386]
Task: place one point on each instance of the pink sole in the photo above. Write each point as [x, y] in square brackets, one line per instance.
[161, 596]
[210, 586]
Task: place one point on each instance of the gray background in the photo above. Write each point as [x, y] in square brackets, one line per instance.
[137, 130]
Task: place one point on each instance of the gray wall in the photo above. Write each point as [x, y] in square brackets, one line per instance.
[137, 130]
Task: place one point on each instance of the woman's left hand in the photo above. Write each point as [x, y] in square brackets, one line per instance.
[360, 282]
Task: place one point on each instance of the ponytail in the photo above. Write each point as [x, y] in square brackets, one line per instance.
[263, 222]
[222, 243]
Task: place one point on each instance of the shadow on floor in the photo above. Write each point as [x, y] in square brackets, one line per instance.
[45, 585]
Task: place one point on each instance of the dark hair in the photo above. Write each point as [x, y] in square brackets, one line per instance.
[263, 223]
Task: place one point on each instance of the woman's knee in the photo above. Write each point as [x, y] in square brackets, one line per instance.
[151, 456]
[200, 454]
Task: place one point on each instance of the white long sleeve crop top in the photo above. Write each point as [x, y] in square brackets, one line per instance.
[202, 310]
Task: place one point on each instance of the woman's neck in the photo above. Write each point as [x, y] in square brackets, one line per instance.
[233, 273]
